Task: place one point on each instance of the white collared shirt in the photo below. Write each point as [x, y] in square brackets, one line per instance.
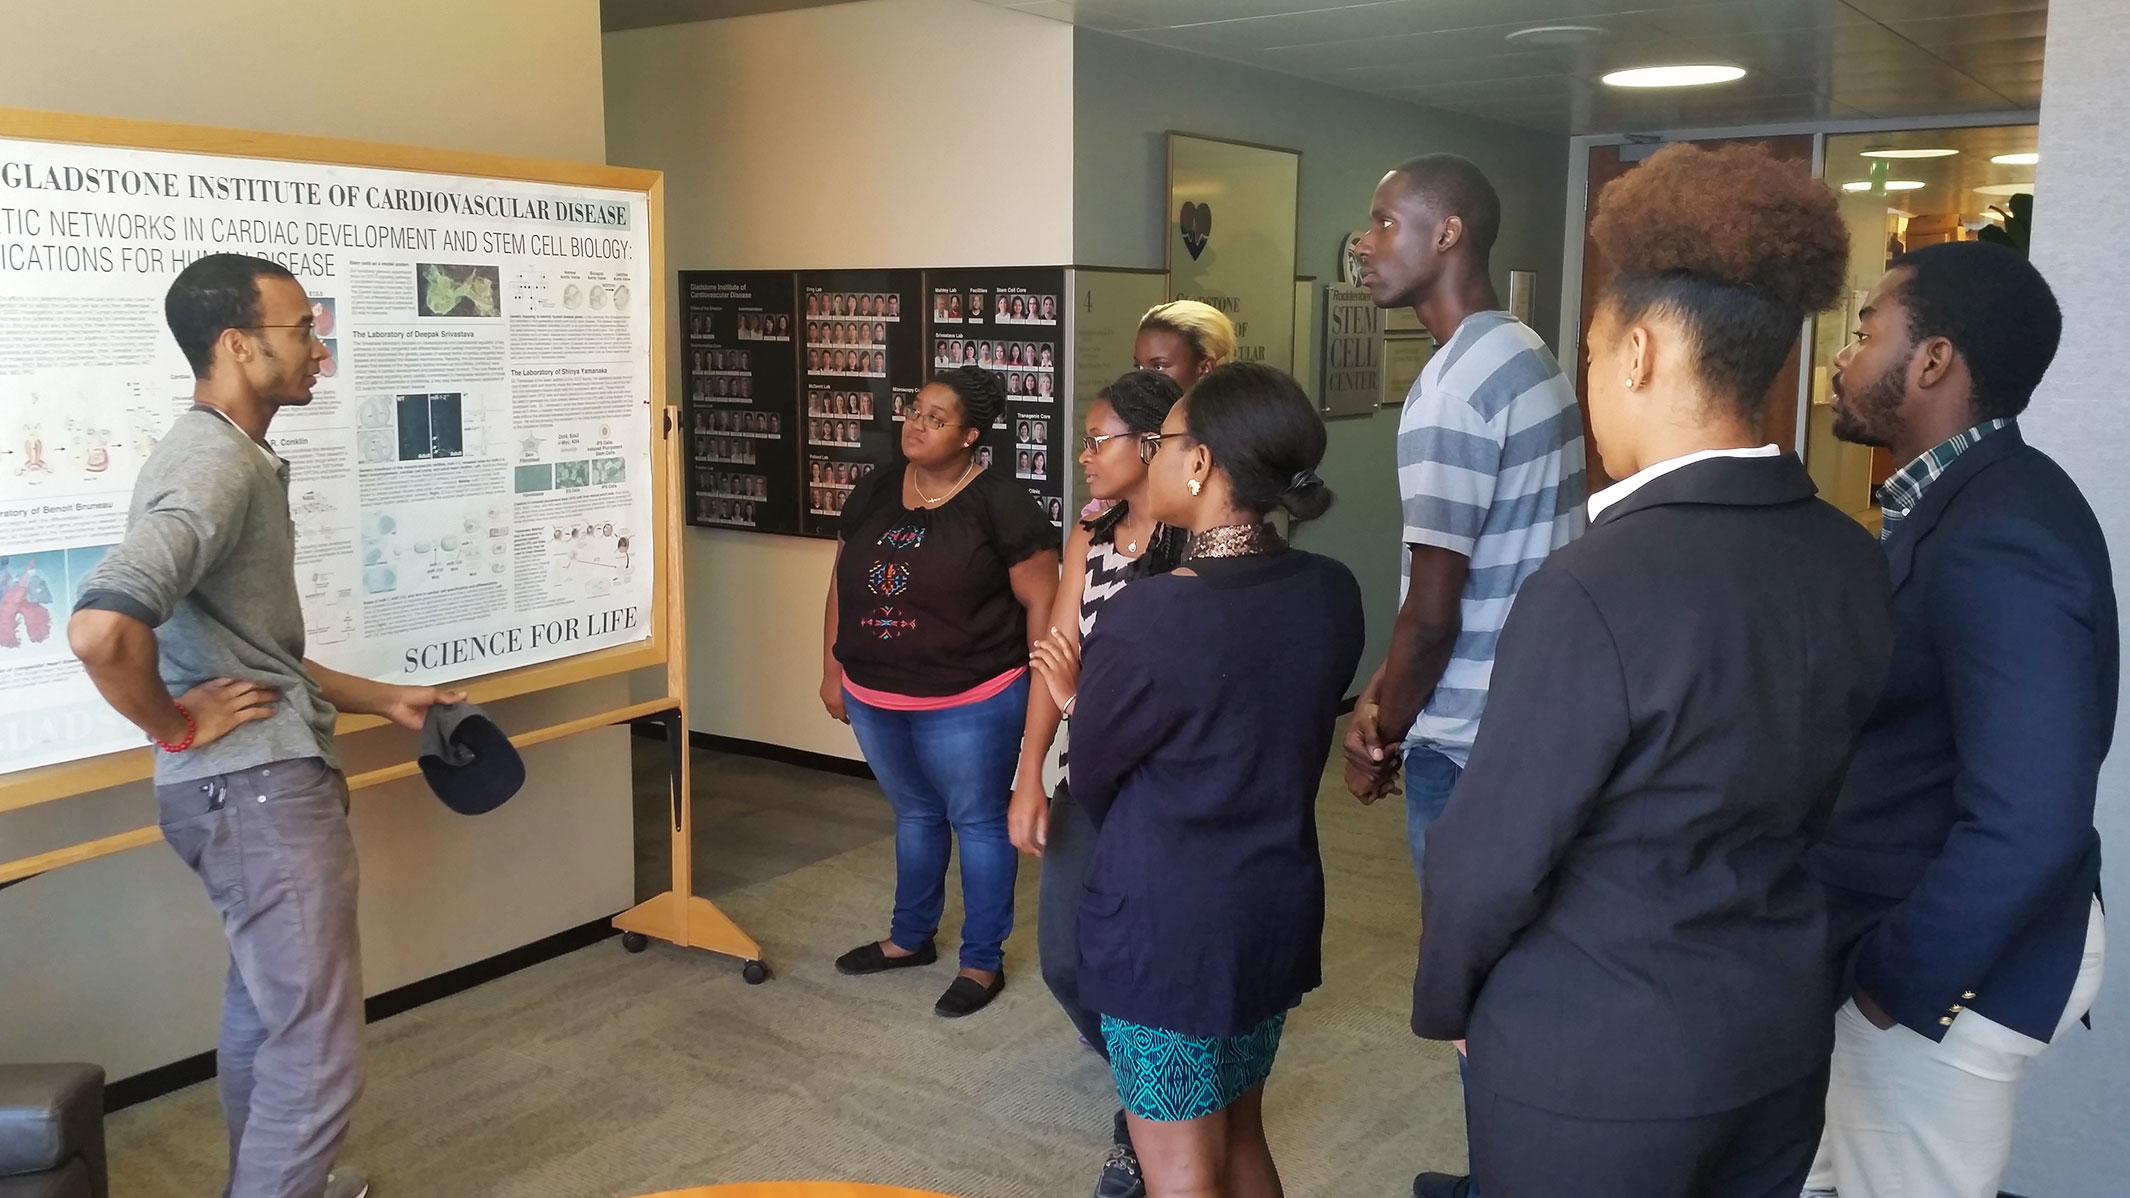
[1649, 474]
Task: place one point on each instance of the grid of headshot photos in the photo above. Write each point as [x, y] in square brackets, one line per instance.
[742, 423]
[853, 305]
[739, 513]
[730, 451]
[765, 326]
[829, 483]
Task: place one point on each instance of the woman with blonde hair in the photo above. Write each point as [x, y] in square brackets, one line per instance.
[1184, 339]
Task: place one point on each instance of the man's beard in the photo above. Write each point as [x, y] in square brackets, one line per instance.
[291, 391]
[1872, 414]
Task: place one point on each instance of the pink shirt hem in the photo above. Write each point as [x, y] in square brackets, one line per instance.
[976, 694]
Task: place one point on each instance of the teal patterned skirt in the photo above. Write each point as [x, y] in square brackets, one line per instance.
[1168, 1077]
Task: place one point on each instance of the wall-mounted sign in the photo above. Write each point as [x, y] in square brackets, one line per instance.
[1232, 211]
[1353, 352]
[1523, 294]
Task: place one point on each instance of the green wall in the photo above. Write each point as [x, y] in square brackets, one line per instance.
[1128, 95]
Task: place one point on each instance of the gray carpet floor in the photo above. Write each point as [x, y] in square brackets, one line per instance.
[600, 1074]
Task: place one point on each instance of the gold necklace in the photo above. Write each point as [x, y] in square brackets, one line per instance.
[951, 491]
[1133, 547]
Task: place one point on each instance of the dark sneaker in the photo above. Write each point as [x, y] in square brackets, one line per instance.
[868, 958]
[1120, 1175]
[347, 1181]
[1441, 1185]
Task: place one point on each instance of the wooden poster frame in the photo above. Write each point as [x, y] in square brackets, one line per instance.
[675, 916]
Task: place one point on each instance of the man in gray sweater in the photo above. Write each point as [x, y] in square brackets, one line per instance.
[199, 601]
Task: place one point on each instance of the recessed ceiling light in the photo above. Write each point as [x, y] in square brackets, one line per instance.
[2005, 189]
[1556, 35]
[1931, 153]
[1679, 76]
[1889, 185]
[2016, 159]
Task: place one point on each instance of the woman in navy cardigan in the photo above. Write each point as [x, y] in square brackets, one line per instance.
[1203, 720]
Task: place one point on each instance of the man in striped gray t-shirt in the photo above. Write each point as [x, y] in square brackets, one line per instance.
[1490, 476]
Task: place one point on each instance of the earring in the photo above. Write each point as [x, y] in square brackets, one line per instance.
[1631, 384]
[1193, 485]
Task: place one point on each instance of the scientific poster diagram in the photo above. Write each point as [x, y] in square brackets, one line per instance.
[864, 354]
[486, 384]
[739, 356]
[1010, 321]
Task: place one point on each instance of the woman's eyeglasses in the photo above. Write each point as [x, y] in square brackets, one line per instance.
[930, 421]
[1150, 444]
[1093, 442]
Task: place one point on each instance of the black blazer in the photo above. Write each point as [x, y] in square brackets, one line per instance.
[1961, 860]
[1204, 716]
[1616, 911]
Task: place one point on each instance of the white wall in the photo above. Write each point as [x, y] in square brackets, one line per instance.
[2071, 1142]
[119, 961]
[890, 133]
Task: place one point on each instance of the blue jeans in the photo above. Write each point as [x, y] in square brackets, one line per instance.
[1429, 778]
[941, 770]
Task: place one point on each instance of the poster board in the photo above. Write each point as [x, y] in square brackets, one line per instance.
[1232, 216]
[782, 430]
[739, 360]
[494, 327]
[1011, 320]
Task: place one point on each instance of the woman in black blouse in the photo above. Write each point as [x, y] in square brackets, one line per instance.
[944, 576]
[1203, 721]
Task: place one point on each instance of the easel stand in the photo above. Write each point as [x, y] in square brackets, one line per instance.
[678, 916]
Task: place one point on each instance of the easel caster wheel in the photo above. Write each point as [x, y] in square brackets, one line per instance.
[755, 972]
[634, 942]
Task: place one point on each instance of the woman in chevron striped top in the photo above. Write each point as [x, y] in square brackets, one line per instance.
[1103, 555]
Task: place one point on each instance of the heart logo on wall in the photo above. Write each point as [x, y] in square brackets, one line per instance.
[1196, 222]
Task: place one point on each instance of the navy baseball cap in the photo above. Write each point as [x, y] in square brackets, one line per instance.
[468, 761]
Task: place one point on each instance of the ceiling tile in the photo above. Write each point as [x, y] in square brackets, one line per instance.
[1806, 59]
[1973, 28]
[1483, 42]
[1754, 16]
[1919, 10]
[1166, 14]
[1451, 70]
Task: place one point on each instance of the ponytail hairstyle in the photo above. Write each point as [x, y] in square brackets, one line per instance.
[1141, 399]
[1265, 434]
[981, 395]
[1203, 327]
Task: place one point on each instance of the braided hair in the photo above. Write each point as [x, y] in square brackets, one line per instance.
[1141, 399]
[981, 393]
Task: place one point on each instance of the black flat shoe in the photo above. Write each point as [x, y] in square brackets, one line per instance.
[867, 958]
[1441, 1185]
[967, 996]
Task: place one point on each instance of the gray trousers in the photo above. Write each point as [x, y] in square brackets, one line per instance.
[273, 848]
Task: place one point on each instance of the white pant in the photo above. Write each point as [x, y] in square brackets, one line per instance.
[1911, 1118]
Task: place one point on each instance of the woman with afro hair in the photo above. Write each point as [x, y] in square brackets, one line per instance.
[1619, 922]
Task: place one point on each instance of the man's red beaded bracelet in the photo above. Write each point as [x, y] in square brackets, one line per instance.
[192, 731]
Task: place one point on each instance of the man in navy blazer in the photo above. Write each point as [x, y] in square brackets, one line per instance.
[1961, 862]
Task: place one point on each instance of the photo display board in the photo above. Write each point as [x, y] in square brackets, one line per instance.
[863, 362]
[472, 479]
[1011, 321]
[740, 336]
